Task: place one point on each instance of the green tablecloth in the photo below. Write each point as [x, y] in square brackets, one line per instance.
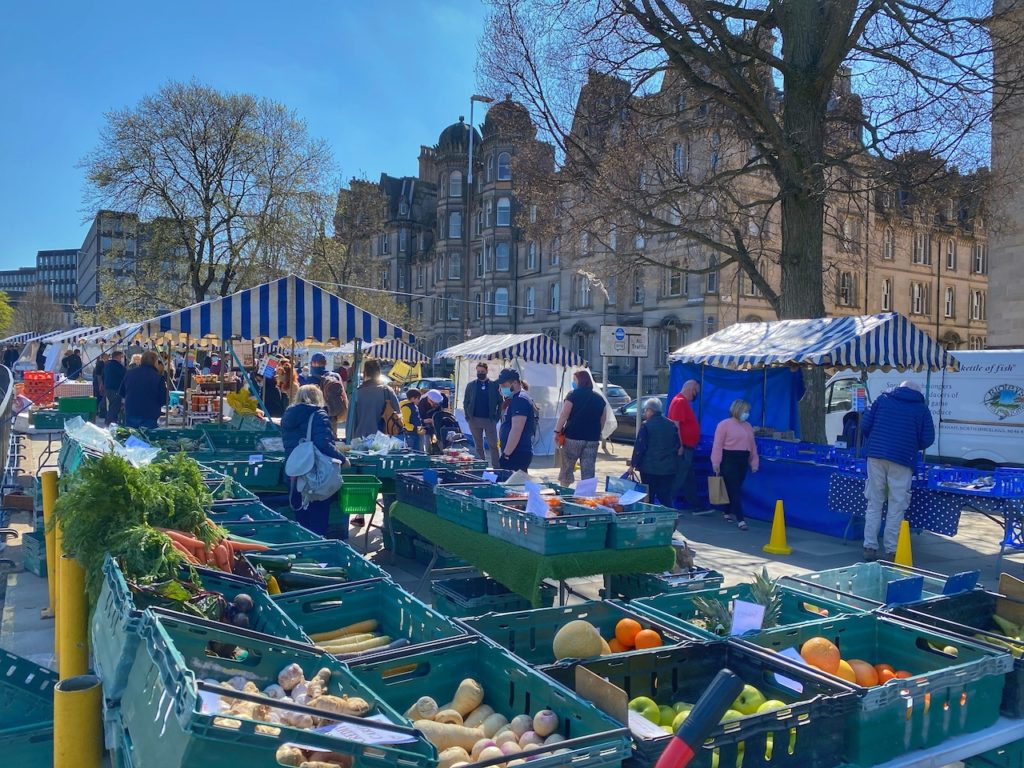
[519, 569]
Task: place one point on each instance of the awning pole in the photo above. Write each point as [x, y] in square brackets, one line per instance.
[353, 376]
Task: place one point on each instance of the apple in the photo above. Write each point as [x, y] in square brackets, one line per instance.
[749, 700]
[679, 718]
[682, 706]
[666, 714]
[667, 729]
[647, 708]
[731, 715]
[771, 705]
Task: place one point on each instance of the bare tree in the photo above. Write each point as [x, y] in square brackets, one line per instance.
[220, 173]
[35, 313]
[702, 122]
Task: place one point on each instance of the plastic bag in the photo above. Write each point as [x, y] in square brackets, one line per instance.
[378, 444]
[610, 422]
[88, 435]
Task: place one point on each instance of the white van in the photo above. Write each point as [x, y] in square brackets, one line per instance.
[978, 410]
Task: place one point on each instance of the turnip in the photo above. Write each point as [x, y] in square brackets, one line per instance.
[509, 748]
[545, 723]
[479, 747]
[494, 724]
[521, 724]
[506, 737]
[530, 740]
[490, 753]
[554, 738]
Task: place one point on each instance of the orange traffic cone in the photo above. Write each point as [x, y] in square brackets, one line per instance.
[903, 554]
[777, 541]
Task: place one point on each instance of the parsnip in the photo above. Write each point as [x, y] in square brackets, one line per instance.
[365, 645]
[449, 716]
[444, 736]
[352, 629]
[424, 709]
[477, 716]
[349, 639]
[468, 696]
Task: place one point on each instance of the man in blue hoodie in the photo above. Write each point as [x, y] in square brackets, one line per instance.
[897, 426]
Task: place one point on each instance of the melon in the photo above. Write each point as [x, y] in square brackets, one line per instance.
[577, 640]
[605, 648]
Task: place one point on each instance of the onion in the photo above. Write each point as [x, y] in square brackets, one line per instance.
[545, 723]
[521, 724]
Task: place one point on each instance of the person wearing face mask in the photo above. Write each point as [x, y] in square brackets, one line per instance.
[656, 453]
[580, 422]
[481, 403]
[518, 423]
[733, 452]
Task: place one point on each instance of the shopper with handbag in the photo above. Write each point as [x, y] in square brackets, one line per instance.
[732, 454]
[656, 453]
[578, 428]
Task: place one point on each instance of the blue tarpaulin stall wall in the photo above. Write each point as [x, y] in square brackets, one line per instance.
[784, 388]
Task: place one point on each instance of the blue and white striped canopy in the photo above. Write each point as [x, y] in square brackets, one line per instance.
[387, 349]
[529, 347]
[21, 338]
[886, 340]
[288, 307]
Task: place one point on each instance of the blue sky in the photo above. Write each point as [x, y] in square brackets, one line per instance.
[375, 78]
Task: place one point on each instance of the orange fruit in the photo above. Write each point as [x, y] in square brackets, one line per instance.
[821, 653]
[616, 646]
[885, 673]
[902, 674]
[626, 631]
[866, 674]
[647, 638]
[845, 671]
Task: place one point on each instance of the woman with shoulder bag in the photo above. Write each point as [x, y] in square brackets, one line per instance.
[732, 453]
[308, 416]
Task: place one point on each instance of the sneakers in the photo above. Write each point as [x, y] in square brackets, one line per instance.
[870, 555]
[357, 522]
[742, 525]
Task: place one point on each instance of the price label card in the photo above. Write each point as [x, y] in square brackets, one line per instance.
[746, 617]
[643, 727]
[534, 503]
[490, 477]
[793, 655]
[587, 487]
[255, 458]
[631, 497]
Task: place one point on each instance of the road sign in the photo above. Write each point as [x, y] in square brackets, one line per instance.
[624, 341]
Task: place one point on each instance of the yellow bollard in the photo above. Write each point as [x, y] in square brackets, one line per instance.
[72, 620]
[777, 541]
[58, 553]
[48, 480]
[903, 554]
[78, 723]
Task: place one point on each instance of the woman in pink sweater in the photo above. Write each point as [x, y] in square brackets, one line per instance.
[733, 451]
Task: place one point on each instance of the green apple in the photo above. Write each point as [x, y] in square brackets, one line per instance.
[682, 706]
[667, 729]
[679, 718]
[666, 714]
[731, 715]
[771, 705]
[749, 700]
[647, 708]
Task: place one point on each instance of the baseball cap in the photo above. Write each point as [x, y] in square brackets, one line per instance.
[508, 374]
[319, 357]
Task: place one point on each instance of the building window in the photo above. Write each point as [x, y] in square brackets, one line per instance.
[384, 283]
[671, 338]
[454, 266]
[950, 308]
[420, 278]
[401, 278]
[609, 289]
[453, 308]
[849, 235]
[403, 240]
[680, 103]
[531, 301]
[613, 238]
[478, 302]
[979, 260]
[382, 245]
[488, 211]
[584, 243]
[501, 302]
[922, 249]
[674, 282]
[702, 111]
[889, 244]
[978, 305]
[639, 241]
[711, 279]
[678, 159]
[638, 287]
[582, 292]
[581, 344]
[501, 260]
[977, 342]
[455, 184]
[533, 214]
[716, 142]
[479, 221]
[951, 254]
[847, 290]
[490, 168]
[489, 258]
[556, 297]
[918, 299]
[442, 187]
[479, 263]
[454, 225]
[710, 325]
[504, 218]
[886, 295]
[504, 166]
[556, 251]
[531, 255]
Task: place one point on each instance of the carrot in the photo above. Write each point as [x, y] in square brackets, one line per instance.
[221, 558]
[191, 542]
[188, 555]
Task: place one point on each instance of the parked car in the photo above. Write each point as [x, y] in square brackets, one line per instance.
[616, 395]
[625, 431]
[447, 386]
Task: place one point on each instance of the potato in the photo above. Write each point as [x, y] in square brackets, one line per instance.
[289, 755]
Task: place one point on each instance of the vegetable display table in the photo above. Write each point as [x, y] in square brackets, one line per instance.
[521, 570]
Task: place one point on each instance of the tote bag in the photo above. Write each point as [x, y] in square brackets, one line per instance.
[716, 490]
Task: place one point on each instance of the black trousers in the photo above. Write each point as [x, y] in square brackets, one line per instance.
[660, 487]
[517, 462]
[734, 471]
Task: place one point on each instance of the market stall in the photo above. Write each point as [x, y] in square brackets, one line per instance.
[543, 363]
[761, 362]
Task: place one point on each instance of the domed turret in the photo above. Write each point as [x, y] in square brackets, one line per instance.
[455, 138]
[509, 118]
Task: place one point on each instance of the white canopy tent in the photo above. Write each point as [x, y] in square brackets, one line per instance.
[56, 344]
[543, 363]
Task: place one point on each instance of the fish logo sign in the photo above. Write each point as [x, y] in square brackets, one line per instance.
[1005, 400]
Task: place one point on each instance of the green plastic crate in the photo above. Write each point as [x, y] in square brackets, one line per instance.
[242, 440]
[509, 521]
[529, 634]
[412, 487]
[478, 595]
[629, 586]
[679, 610]
[386, 466]
[225, 490]
[77, 406]
[26, 711]
[969, 615]
[163, 710]
[864, 585]
[637, 525]
[358, 496]
[808, 733]
[945, 696]
[247, 511]
[33, 548]
[399, 615]
[331, 553]
[117, 618]
[510, 687]
[264, 476]
[51, 419]
[1008, 756]
[465, 503]
[423, 553]
[271, 532]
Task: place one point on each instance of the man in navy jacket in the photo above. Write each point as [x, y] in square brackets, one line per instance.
[898, 425]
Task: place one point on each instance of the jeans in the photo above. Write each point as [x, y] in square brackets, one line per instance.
[113, 407]
[479, 428]
[734, 471]
[583, 451]
[685, 482]
[412, 439]
[660, 488]
[886, 479]
[137, 423]
[316, 517]
[518, 461]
